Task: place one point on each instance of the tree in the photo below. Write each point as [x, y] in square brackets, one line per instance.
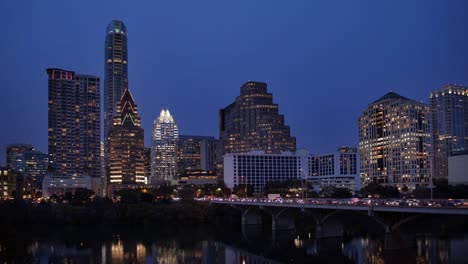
[243, 190]
[82, 195]
[334, 192]
[129, 196]
[375, 189]
[186, 194]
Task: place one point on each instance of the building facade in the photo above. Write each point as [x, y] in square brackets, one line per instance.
[115, 70]
[339, 169]
[458, 168]
[126, 144]
[449, 110]
[32, 165]
[256, 168]
[253, 123]
[12, 151]
[395, 142]
[74, 123]
[164, 148]
[7, 183]
[196, 153]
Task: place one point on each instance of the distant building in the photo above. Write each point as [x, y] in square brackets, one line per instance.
[252, 122]
[32, 165]
[126, 145]
[256, 168]
[196, 153]
[339, 169]
[7, 183]
[147, 157]
[395, 142]
[449, 109]
[60, 185]
[164, 148]
[199, 177]
[13, 149]
[458, 169]
[74, 123]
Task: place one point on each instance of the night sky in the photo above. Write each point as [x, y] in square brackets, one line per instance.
[324, 61]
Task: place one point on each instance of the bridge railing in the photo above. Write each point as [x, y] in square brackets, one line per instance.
[371, 202]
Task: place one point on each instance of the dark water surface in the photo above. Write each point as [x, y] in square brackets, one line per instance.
[186, 244]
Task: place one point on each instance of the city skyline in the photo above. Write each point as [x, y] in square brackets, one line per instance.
[299, 87]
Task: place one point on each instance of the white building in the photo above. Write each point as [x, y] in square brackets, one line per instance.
[458, 169]
[340, 169]
[164, 148]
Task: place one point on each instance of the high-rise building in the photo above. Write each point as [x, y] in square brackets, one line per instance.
[126, 144]
[196, 153]
[74, 123]
[13, 149]
[164, 148]
[115, 70]
[449, 109]
[253, 122]
[395, 142]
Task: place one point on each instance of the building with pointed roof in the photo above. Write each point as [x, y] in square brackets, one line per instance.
[126, 144]
[164, 148]
[395, 142]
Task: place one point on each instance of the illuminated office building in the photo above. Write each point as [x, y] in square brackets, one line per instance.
[74, 123]
[196, 153]
[13, 149]
[126, 146]
[33, 165]
[164, 148]
[395, 142]
[7, 182]
[449, 109]
[253, 123]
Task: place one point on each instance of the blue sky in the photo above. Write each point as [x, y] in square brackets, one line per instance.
[324, 61]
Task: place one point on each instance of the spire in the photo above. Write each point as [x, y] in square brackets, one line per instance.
[127, 110]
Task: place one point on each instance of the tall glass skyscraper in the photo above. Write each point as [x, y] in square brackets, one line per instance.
[449, 108]
[164, 148]
[115, 70]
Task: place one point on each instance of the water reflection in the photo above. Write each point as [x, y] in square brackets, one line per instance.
[224, 247]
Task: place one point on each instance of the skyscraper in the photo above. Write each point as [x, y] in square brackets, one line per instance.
[449, 109]
[13, 149]
[164, 148]
[115, 70]
[126, 144]
[74, 123]
[253, 122]
[395, 142]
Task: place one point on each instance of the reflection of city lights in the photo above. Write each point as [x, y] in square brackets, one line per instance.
[299, 243]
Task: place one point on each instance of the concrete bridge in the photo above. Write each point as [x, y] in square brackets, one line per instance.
[284, 211]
